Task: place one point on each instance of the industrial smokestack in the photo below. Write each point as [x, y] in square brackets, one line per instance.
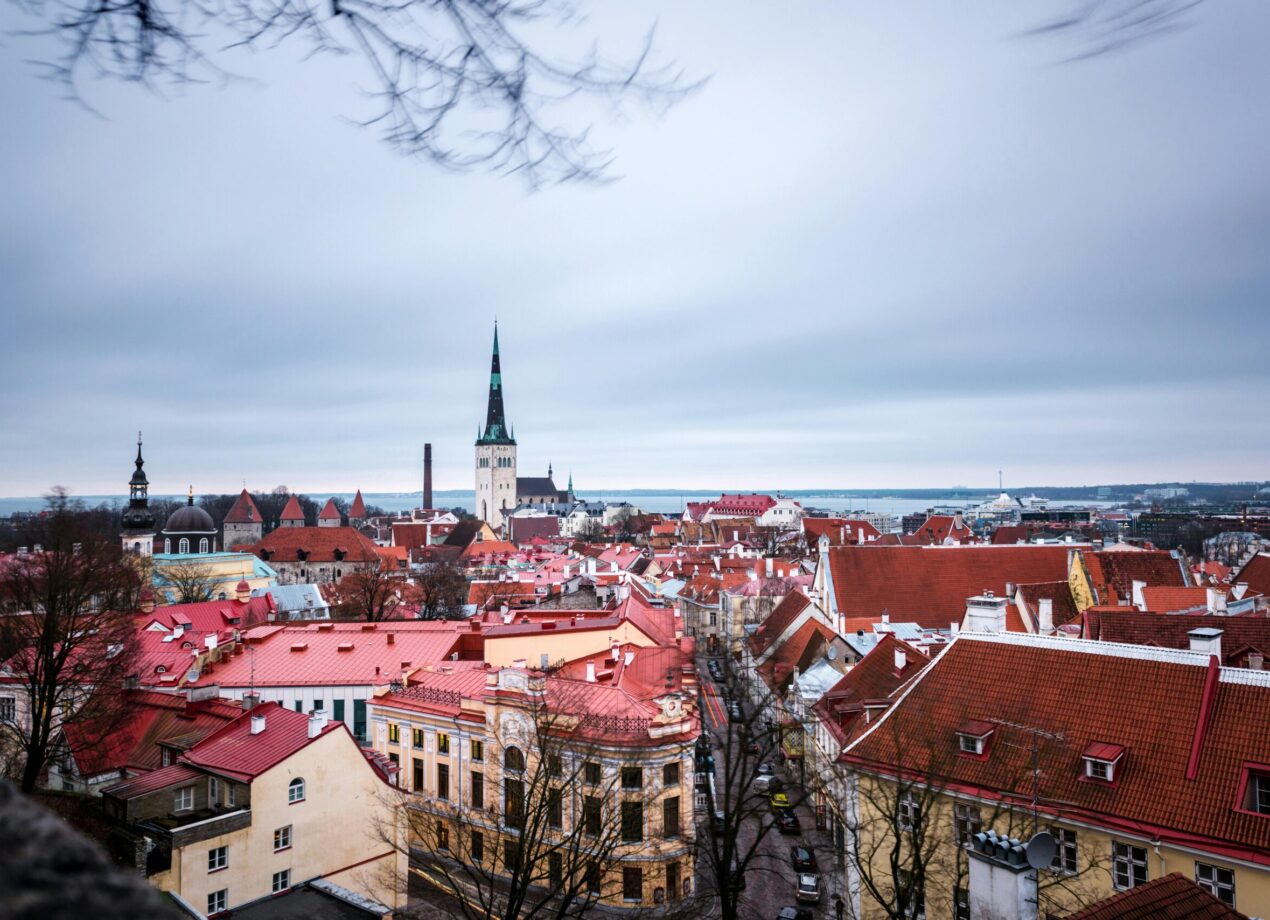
[427, 476]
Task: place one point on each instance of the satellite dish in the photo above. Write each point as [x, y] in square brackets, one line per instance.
[1040, 850]
[832, 654]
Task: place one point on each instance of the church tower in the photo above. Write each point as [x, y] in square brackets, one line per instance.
[138, 521]
[495, 454]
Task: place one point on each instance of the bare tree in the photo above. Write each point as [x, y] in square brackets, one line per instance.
[67, 611]
[543, 833]
[1101, 27]
[191, 582]
[373, 595]
[441, 590]
[457, 82]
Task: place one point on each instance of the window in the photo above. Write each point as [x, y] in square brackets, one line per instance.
[281, 880]
[593, 878]
[183, 799]
[908, 896]
[443, 743]
[907, 812]
[1128, 865]
[511, 855]
[477, 846]
[394, 757]
[213, 790]
[218, 901]
[229, 795]
[478, 750]
[670, 816]
[8, 709]
[418, 775]
[1218, 882]
[632, 822]
[966, 823]
[1099, 770]
[443, 837]
[632, 883]
[670, 774]
[672, 881]
[359, 719]
[478, 790]
[961, 904]
[555, 807]
[202, 545]
[394, 733]
[338, 706]
[555, 869]
[217, 858]
[970, 744]
[1259, 793]
[317, 706]
[591, 815]
[514, 759]
[299, 705]
[183, 546]
[514, 801]
[295, 791]
[554, 765]
[443, 782]
[632, 778]
[591, 773]
[282, 838]
[1064, 862]
[416, 737]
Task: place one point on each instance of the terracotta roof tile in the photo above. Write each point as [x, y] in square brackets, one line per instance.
[1170, 897]
[1256, 573]
[292, 511]
[358, 508]
[244, 510]
[329, 512]
[321, 543]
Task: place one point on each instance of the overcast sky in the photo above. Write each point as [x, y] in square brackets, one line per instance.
[889, 244]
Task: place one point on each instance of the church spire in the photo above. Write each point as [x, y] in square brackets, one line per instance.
[496, 430]
[137, 517]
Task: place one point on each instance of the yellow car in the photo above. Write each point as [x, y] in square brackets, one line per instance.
[779, 800]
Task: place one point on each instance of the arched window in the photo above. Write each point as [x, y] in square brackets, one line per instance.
[514, 759]
[183, 546]
[202, 545]
[136, 547]
[295, 791]
[167, 546]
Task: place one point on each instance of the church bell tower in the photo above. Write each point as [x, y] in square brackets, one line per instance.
[495, 454]
[138, 521]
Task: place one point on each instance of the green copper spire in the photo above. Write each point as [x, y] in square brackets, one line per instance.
[496, 430]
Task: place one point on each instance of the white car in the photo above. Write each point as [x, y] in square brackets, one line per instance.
[808, 888]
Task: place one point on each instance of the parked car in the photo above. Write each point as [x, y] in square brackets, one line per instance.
[787, 821]
[808, 888]
[735, 713]
[767, 784]
[794, 913]
[779, 800]
[766, 769]
[803, 858]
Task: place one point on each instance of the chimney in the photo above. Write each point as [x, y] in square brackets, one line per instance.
[901, 659]
[317, 722]
[769, 562]
[590, 672]
[427, 476]
[392, 639]
[986, 613]
[886, 617]
[1256, 661]
[1045, 616]
[257, 723]
[954, 629]
[250, 701]
[1136, 598]
[1206, 640]
[1001, 883]
[1217, 601]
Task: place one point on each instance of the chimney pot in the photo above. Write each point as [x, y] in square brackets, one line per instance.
[901, 659]
[590, 672]
[257, 723]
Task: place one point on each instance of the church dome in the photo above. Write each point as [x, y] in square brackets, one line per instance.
[189, 519]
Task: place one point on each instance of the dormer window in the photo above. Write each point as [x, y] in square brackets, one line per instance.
[1254, 789]
[973, 738]
[1101, 762]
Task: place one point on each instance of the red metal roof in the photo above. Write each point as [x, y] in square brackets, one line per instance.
[1165, 708]
[175, 775]
[1170, 897]
[234, 751]
[930, 585]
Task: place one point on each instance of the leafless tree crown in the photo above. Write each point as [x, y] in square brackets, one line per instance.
[455, 81]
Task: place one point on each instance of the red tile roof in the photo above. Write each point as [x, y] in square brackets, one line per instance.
[244, 510]
[321, 544]
[1256, 573]
[1008, 534]
[872, 680]
[1175, 715]
[358, 508]
[1063, 605]
[930, 585]
[1125, 624]
[329, 512]
[941, 528]
[1170, 897]
[1113, 572]
[335, 654]
[234, 751]
[840, 531]
[780, 619]
[1169, 600]
[292, 511]
[799, 652]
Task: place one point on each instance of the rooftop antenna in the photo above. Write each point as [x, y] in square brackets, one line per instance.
[1000, 481]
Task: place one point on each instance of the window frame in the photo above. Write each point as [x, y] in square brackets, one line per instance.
[1065, 845]
[283, 876]
[630, 815]
[1214, 885]
[1125, 862]
[282, 838]
[631, 770]
[217, 901]
[477, 751]
[675, 769]
[443, 743]
[635, 873]
[183, 799]
[299, 784]
[218, 858]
